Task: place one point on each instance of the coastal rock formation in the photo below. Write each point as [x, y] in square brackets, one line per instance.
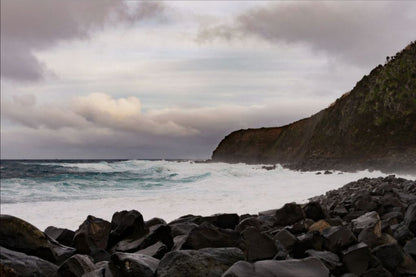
[365, 228]
[372, 126]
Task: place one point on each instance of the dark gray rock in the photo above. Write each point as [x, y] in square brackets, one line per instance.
[286, 239]
[133, 264]
[390, 255]
[410, 218]
[289, 214]
[402, 233]
[248, 222]
[310, 240]
[330, 260]
[258, 246]
[208, 235]
[368, 227]
[157, 250]
[377, 272]
[126, 224]
[103, 270]
[225, 221]
[204, 262]
[92, 234]
[160, 233]
[24, 265]
[314, 210]
[61, 235]
[183, 228]
[337, 238]
[311, 267]
[357, 258]
[19, 235]
[154, 221]
[76, 266]
[410, 248]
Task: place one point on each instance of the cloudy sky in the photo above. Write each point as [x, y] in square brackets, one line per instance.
[130, 79]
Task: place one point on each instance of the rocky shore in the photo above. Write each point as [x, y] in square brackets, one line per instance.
[366, 228]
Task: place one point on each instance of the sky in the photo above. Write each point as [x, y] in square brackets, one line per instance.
[106, 79]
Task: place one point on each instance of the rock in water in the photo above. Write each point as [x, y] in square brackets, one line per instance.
[210, 262]
[25, 265]
[311, 267]
[91, 235]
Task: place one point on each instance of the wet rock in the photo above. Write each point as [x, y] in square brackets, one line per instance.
[356, 258]
[61, 235]
[311, 267]
[182, 228]
[337, 238]
[314, 210]
[76, 265]
[160, 233]
[330, 260]
[92, 234]
[20, 264]
[248, 222]
[319, 226]
[157, 250]
[410, 218]
[258, 246]
[204, 262]
[133, 264]
[19, 235]
[390, 255]
[310, 240]
[289, 214]
[286, 238]
[208, 235]
[126, 224]
[410, 248]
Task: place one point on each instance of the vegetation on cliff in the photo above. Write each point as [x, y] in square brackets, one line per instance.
[372, 126]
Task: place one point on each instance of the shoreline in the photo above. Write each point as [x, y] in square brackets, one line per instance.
[364, 227]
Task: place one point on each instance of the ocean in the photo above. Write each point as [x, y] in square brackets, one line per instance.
[63, 193]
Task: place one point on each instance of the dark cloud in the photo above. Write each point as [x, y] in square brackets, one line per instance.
[362, 33]
[29, 26]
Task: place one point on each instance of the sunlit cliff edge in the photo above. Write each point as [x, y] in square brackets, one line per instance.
[371, 127]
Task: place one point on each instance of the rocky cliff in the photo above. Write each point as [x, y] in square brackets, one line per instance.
[372, 126]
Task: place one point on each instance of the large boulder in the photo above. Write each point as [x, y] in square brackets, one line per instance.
[19, 264]
[330, 260]
[410, 248]
[208, 235]
[314, 210]
[310, 240]
[368, 228]
[410, 218]
[357, 258]
[91, 235]
[311, 267]
[289, 214]
[258, 245]
[225, 221]
[390, 255]
[157, 233]
[76, 266]
[337, 238]
[204, 262]
[61, 235]
[19, 235]
[133, 264]
[286, 238]
[182, 228]
[125, 224]
[157, 250]
[248, 222]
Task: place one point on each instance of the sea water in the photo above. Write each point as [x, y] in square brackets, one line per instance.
[64, 193]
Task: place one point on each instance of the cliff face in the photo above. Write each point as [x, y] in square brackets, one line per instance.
[372, 126]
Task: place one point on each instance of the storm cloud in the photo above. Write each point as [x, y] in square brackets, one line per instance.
[357, 32]
[30, 26]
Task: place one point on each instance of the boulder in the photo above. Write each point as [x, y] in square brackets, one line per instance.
[92, 234]
[337, 238]
[258, 246]
[410, 218]
[157, 250]
[248, 222]
[330, 260]
[154, 221]
[204, 262]
[377, 272]
[310, 240]
[125, 224]
[314, 210]
[158, 233]
[76, 266]
[368, 227]
[133, 264]
[19, 264]
[286, 239]
[183, 228]
[402, 233]
[289, 214]
[61, 235]
[19, 235]
[208, 235]
[357, 258]
[311, 267]
[390, 255]
[410, 248]
[225, 221]
[319, 226]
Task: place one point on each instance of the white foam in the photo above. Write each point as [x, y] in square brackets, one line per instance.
[235, 188]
